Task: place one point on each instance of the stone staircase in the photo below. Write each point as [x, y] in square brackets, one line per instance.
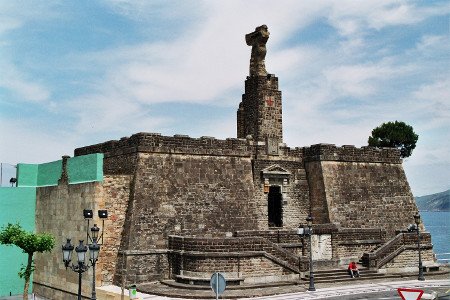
[342, 275]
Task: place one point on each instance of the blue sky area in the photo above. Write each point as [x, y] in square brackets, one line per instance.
[76, 73]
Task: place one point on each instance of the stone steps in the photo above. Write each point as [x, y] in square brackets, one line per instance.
[342, 275]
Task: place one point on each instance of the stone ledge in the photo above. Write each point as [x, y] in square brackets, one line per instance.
[347, 153]
[358, 242]
[219, 254]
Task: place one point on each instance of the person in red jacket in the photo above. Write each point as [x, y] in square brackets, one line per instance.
[353, 269]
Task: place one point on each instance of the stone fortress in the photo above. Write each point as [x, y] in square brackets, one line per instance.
[181, 208]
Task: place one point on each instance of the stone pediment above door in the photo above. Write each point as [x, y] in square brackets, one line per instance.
[275, 171]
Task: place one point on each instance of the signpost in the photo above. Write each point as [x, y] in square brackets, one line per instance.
[218, 284]
[410, 294]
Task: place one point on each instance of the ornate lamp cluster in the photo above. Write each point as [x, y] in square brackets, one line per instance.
[94, 243]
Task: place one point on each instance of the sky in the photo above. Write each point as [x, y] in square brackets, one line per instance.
[77, 73]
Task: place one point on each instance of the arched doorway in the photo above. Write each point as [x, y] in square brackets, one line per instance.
[275, 206]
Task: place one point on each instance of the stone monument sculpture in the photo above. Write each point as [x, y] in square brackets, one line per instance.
[258, 39]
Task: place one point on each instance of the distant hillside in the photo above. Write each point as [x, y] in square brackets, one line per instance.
[434, 202]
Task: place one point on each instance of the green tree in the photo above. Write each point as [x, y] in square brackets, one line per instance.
[396, 135]
[29, 242]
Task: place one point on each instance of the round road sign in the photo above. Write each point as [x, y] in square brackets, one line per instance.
[218, 283]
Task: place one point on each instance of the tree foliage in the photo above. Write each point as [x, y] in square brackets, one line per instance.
[29, 242]
[395, 135]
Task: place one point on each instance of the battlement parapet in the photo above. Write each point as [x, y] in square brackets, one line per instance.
[349, 153]
[177, 144]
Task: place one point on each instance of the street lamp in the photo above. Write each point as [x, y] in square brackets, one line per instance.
[79, 268]
[93, 246]
[417, 221]
[301, 233]
[311, 288]
[94, 250]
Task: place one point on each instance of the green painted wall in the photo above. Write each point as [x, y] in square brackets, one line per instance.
[27, 175]
[86, 168]
[49, 173]
[16, 205]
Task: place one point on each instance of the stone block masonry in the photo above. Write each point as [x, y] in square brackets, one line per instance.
[204, 186]
[59, 211]
[359, 187]
[260, 112]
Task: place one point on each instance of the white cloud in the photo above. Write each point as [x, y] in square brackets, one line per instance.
[26, 88]
[102, 114]
[351, 17]
[15, 14]
[24, 141]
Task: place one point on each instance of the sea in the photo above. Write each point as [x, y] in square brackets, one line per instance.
[438, 224]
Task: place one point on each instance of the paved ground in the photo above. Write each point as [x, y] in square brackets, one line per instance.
[340, 290]
[386, 290]
[352, 290]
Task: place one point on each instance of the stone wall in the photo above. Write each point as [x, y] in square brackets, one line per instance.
[59, 211]
[351, 243]
[408, 260]
[246, 257]
[176, 193]
[156, 143]
[116, 194]
[359, 187]
[134, 267]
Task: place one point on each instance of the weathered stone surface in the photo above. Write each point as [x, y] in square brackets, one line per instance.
[260, 112]
[361, 195]
[59, 211]
[258, 39]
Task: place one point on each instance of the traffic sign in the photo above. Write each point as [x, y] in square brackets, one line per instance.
[218, 283]
[410, 294]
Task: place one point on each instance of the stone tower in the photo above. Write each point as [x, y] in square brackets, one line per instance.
[260, 111]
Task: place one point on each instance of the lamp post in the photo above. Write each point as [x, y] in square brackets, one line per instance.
[301, 233]
[94, 249]
[417, 221]
[80, 267]
[311, 288]
[96, 242]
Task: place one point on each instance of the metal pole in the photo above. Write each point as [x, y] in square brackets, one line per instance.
[80, 271]
[217, 286]
[94, 294]
[122, 294]
[421, 278]
[311, 273]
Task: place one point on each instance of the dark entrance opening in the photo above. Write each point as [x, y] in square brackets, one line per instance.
[275, 207]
